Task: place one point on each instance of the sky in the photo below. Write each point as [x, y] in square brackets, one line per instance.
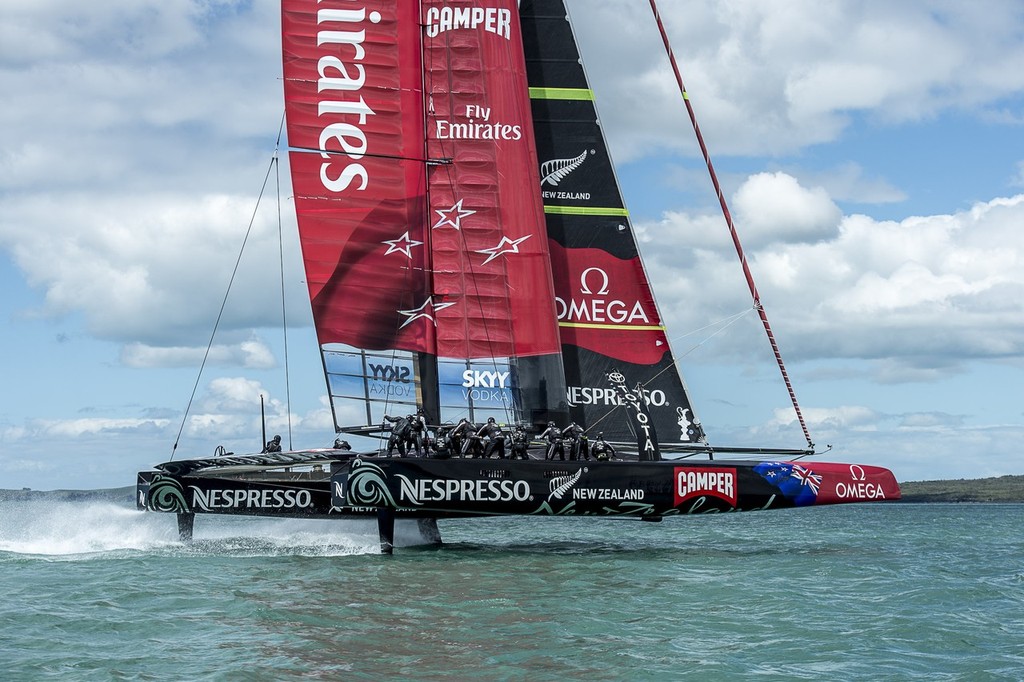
[871, 153]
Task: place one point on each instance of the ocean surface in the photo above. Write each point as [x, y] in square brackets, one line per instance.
[94, 590]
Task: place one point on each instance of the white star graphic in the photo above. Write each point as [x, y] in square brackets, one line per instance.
[446, 213]
[403, 245]
[426, 310]
[506, 245]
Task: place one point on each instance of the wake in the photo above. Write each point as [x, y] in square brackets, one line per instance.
[42, 527]
[94, 529]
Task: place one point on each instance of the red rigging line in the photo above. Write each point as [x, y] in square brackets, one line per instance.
[732, 227]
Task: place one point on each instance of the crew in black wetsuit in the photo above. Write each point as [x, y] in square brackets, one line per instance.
[472, 444]
[273, 445]
[459, 435]
[520, 443]
[553, 435]
[417, 431]
[399, 434]
[495, 439]
[577, 439]
[602, 449]
[443, 444]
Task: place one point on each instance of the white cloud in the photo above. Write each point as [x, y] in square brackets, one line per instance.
[237, 394]
[926, 291]
[69, 429]
[140, 132]
[824, 420]
[774, 207]
[253, 354]
[774, 77]
[150, 269]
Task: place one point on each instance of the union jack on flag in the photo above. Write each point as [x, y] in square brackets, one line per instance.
[806, 477]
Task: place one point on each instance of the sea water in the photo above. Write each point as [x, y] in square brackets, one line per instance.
[94, 590]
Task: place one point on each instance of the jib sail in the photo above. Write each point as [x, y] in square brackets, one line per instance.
[611, 331]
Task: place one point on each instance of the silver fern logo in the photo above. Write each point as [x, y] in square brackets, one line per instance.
[560, 485]
[554, 171]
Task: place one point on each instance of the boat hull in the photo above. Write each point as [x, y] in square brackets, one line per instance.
[451, 488]
[610, 488]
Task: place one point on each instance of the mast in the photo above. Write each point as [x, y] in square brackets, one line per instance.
[732, 228]
[428, 380]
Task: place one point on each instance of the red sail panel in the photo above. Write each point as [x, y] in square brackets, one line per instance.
[354, 104]
[492, 283]
[605, 305]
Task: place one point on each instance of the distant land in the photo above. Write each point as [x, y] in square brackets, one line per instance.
[999, 489]
[125, 495]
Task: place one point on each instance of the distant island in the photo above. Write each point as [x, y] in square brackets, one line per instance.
[998, 489]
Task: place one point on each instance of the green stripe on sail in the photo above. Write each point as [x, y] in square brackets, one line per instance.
[562, 93]
[586, 210]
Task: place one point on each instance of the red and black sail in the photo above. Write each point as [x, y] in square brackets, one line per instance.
[611, 331]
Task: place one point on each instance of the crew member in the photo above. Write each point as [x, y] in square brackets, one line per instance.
[273, 445]
[520, 443]
[399, 434]
[443, 447]
[553, 435]
[579, 446]
[460, 436]
[417, 429]
[602, 449]
[472, 444]
[495, 439]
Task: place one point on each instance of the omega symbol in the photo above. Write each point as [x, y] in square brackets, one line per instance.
[584, 288]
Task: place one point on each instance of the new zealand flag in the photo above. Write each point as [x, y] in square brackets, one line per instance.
[797, 483]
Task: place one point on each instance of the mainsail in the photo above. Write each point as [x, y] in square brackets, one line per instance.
[611, 331]
[423, 237]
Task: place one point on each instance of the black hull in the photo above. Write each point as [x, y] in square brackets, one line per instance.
[357, 487]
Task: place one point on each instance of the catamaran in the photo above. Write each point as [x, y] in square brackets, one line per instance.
[470, 260]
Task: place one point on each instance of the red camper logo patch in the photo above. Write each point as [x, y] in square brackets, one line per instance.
[692, 482]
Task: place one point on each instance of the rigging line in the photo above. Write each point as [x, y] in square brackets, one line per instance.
[727, 321]
[730, 321]
[223, 304]
[697, 345]
[732, 228]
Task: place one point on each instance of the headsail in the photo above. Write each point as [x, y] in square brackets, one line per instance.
[608, 318]
[424, 242]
